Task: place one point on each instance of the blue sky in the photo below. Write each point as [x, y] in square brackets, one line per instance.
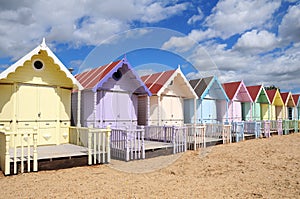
[257, 41]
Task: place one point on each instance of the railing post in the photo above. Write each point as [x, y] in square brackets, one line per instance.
[7, 156]
[173, 140]
[143, 142]
[108, 133]
[89, 147]
[127, 145]
[35, 154]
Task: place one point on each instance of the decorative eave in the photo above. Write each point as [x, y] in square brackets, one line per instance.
[111, 72]
[176, 72]
[35, 51]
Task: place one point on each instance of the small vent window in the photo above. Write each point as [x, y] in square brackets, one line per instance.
[38, 65]
[117, 75]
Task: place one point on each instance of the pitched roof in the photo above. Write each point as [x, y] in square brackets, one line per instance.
[296, 98]
[254, 91]
[274, 96]
[89, 79]
[237, 90]
[288, 99]
[158, 82]
[231, 88]
[204, 85]
[36, 51]
[94, 78]
[271, 94]
[200, 85]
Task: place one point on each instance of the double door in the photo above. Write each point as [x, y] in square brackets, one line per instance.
[38, 107]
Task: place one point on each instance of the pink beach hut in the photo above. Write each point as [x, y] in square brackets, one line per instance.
[239, 106]
[110, 95]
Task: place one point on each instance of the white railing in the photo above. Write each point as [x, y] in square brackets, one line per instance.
[127, 144]
[252, 128]
[20, 149]
[195, 136]
[96, 140]
[176, 135]
[238, 131]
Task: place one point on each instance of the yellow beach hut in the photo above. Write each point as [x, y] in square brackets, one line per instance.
[276, 106]
[36, 95]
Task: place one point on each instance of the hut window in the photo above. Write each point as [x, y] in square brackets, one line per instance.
[117, 75]
[38, 65]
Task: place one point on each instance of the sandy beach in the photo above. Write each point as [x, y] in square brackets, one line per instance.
[262, 168]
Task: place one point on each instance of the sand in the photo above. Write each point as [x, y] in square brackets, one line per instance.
[262, 168]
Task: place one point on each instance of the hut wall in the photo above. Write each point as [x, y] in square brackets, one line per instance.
[256, 111]
[6, 105]
[188, 111]
[265, 115]
[221, 110]
[246, 111]
[234, 111]
[207, 111]
[279, 112]
[171, 110]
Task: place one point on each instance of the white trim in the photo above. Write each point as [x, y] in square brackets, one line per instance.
[177, 71]
[36, 51]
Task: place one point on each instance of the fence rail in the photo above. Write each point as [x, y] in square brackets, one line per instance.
[20, 149]
[96, 140]
[238, 131]
[252, 128]
[128, 144]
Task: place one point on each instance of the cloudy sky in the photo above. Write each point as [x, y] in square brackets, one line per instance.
[257, 41]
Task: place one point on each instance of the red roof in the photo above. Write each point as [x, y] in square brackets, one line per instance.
[254, 91]
[231, 88]
[157, 80]
[90, 78]
[271, 94]
[284, 97]
[296, 98]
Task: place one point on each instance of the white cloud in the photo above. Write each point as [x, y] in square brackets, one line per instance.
[231, 17]
[256, 42]
[86, 22]
[197, 17]
[289, 29]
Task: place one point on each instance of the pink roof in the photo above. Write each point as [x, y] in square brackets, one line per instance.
[157, 80]
[254, 91]
[90, 78]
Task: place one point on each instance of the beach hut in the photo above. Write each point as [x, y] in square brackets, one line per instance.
[276, 104]
[297, 107]
[110, 95]
[260, 106]
[239, 107]
[289, 105]
[36, 96]
[211, 106]
[169, 89]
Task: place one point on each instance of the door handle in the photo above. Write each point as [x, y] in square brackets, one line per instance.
[39, 114]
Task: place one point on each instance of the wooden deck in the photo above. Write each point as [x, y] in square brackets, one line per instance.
[52, 152]
[53, 157]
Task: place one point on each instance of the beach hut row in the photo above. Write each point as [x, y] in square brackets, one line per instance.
[48, 114]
